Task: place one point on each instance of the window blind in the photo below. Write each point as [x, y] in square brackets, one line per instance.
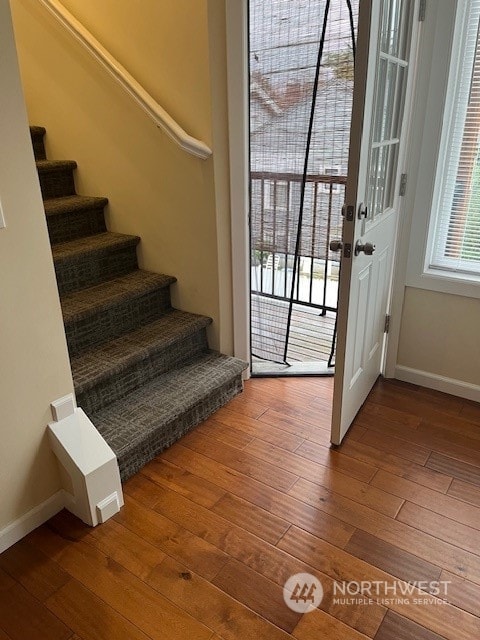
[456, 241]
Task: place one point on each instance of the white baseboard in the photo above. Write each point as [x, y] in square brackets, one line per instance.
[18, 529]
[246, 374]
[440, 383]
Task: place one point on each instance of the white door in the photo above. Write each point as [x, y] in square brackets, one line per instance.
[383, 77]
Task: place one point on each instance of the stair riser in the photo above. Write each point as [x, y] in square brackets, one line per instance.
[38, 147]
[111, 323]
[94, 268]
[70, 226]
[144, 452]
[139, 373]
[57, 183]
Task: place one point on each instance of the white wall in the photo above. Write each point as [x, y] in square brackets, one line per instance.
[34, 365]
[440, 334]
[436, 320]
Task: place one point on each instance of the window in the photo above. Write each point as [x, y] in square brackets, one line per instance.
[442, 200]
[277, 195]
[454, 243]
[331, 171]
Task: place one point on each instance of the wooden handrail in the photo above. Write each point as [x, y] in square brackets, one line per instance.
[158, 114]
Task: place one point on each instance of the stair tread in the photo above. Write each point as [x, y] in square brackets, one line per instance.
[110, 358]
[106, 294]
[37, 131]
[72, 204]
[142, 412]
[55, 165]
[90, 244]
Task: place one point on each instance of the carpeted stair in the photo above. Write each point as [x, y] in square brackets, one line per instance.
[142, 370]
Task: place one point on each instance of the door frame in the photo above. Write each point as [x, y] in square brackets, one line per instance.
[238, 133]
[238, 117]
[410, 166]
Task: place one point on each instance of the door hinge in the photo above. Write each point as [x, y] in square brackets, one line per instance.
[422, 10]
[386, 329]
[403, 184]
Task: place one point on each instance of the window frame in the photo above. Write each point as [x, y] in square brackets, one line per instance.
[440, 52]
[275, 199]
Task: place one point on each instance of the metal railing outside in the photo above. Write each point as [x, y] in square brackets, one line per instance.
[274, 212]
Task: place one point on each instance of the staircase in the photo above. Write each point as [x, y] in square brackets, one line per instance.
[142, 370]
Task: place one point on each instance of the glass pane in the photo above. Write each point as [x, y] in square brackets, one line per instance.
[405, 28]
[385, 29]
[397, 115]
[371, 182]
[392, 36]
[386, 111]
[390, 87]
[376, 181]
[380, 101]
[390, 177]
[380, 170]
[396, 19]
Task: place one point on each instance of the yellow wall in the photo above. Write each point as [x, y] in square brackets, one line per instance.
[155, 189]
[34, 366]
[440, 334]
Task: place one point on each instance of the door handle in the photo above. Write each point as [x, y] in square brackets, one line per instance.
[368, 248]
[336, 245]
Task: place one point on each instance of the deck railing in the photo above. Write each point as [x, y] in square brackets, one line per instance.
[275, 203]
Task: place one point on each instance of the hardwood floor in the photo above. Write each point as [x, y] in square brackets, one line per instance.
[213, 528]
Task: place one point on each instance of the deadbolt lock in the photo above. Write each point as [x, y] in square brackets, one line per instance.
[336, 245]
[362, 211]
